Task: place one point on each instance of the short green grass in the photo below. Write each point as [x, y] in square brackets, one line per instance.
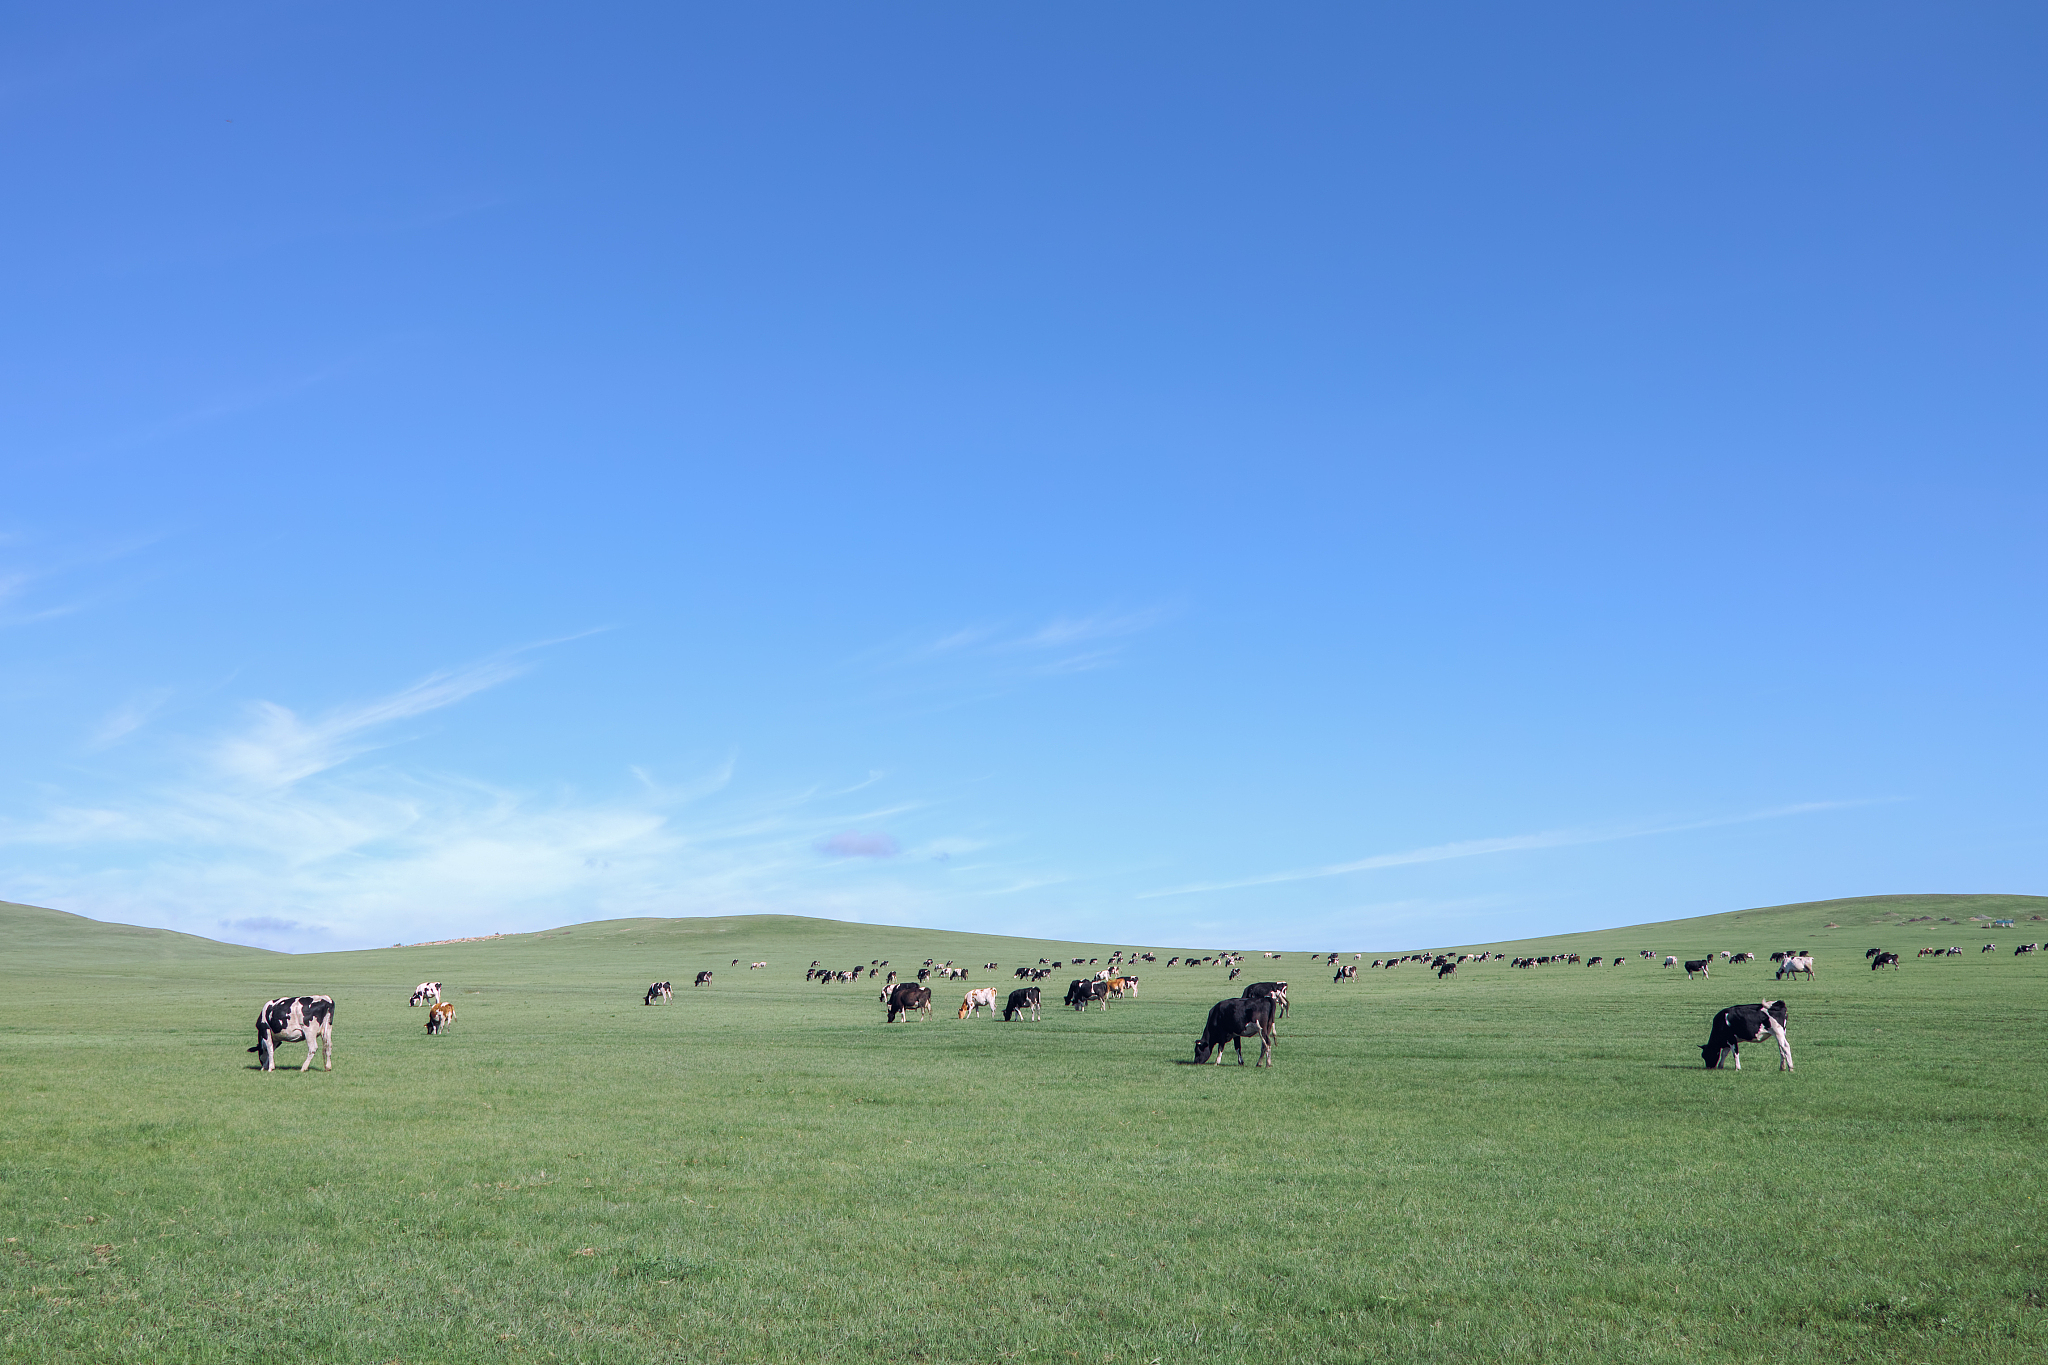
[1507, 1165]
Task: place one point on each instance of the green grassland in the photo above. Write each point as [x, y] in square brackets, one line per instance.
[1514, 1165]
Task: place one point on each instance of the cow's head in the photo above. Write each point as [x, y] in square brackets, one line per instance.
[1203, 1048]
[266, 1048]
[1712, 1053]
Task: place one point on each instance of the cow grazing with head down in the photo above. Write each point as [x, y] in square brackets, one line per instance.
[975, 999]
[907, 998]
[660, 990]
[1082, 994]
[1231, 1022]
[292, 1019]
[1024, 1001]
[424, 992]
[1795, 964]
[1890, 960]
[703, 979]
[1739, 1024]
[440, 1017]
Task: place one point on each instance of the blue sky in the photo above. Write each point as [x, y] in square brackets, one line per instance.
[1346, 476]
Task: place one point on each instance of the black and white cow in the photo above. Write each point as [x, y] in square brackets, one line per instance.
[424, 992]
[907, 998]
[1082, 994]
[1023, 1001]
[1231, 1022]
[1795, 964]
[1739, 1024]
[307, 1019]
[703, 979]
[660, 990]
[1890, 960]
[1700, 965]
[1276, 991]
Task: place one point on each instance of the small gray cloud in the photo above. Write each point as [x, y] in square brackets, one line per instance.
[856, 845]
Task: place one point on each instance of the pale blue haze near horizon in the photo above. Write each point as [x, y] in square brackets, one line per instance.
[1327, 476]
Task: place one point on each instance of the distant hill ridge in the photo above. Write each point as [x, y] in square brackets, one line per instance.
[33, 937]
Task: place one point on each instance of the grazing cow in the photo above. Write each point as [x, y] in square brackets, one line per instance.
[1869, 953]
[660, 990]
[1596, 961]
[1347, 972]
[1796, 964]
[1671, 962]
[440, 1017]
[1890, 960]
[975, 999]
[1231, 1022]
[755, 966]
[1081, 994]
[1021, 1001]
[1445, 970]
[2025, 948]
[1989, 948]
[1742, 957]
[703, 979]
[425, 991]
[907, 999]
[1700, 965]
[292, 1019]
[1739, 1024]
[1276, 991]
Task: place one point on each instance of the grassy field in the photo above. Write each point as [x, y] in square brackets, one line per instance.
[1508, 1165]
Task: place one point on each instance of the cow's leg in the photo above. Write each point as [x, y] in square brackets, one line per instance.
[1784, 1043]
[1736, 1048]
[313, 1047]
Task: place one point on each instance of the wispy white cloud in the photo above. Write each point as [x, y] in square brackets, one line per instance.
[1514, 843]
[130, 716]
[269, 833]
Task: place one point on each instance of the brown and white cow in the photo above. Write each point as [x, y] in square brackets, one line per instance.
[975, 999]
[440, 1016]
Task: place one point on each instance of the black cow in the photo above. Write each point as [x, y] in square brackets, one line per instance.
[1231, 1022]
[1869, 953]
[1081, 994]
[1445, 969]
[1700, 965]
[1890, 960]
[1276, 991]
[293, 1019]
[1021, 1002]
[1739, 1024]
[907, 999]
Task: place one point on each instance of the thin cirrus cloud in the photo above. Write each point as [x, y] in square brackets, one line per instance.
[269, 833]
[853, 844]
[1514, 843]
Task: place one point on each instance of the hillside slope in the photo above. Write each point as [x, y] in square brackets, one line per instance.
[34, 938]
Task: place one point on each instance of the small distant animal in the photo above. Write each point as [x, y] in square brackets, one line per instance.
[425, 991]
[440, 1016]
[975, 999]
[1699, 965]
[1671, 962]
[703, 979]
[660, 990]
[2025, 948]
[755, 966]
[1890, 960]
[1796, 964]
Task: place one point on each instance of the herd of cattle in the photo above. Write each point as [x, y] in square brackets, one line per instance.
[1251, 1014]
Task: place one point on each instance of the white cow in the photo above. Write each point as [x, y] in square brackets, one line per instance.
[1794, 964]
[424, 992]
[975, 999]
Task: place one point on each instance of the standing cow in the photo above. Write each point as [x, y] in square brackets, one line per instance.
[440, 1016]
[1023, 1001]
[292, 1019]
